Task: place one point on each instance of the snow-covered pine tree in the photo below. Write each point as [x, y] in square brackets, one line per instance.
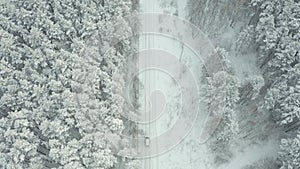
[222, 96]
[226, 94]
[277, 34]
[283, 98]
[246, 39]
[290, 152]
[58, 105]
[251, 88]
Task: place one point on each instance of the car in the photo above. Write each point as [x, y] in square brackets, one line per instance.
[147, 141]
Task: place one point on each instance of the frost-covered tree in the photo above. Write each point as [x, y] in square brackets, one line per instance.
[277, 35]
[246, 39]
[224, 58]
[225, 97]
[290, 152]
[18, 144]
[251, 88]
[222, 95]
[135, 164]
[60, 96]
[283, 99]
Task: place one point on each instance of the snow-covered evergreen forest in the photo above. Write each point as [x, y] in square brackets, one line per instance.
[66, 90]
[61, 101]
[262, 41]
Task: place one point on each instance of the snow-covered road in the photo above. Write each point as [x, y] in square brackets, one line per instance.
[189, 153]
